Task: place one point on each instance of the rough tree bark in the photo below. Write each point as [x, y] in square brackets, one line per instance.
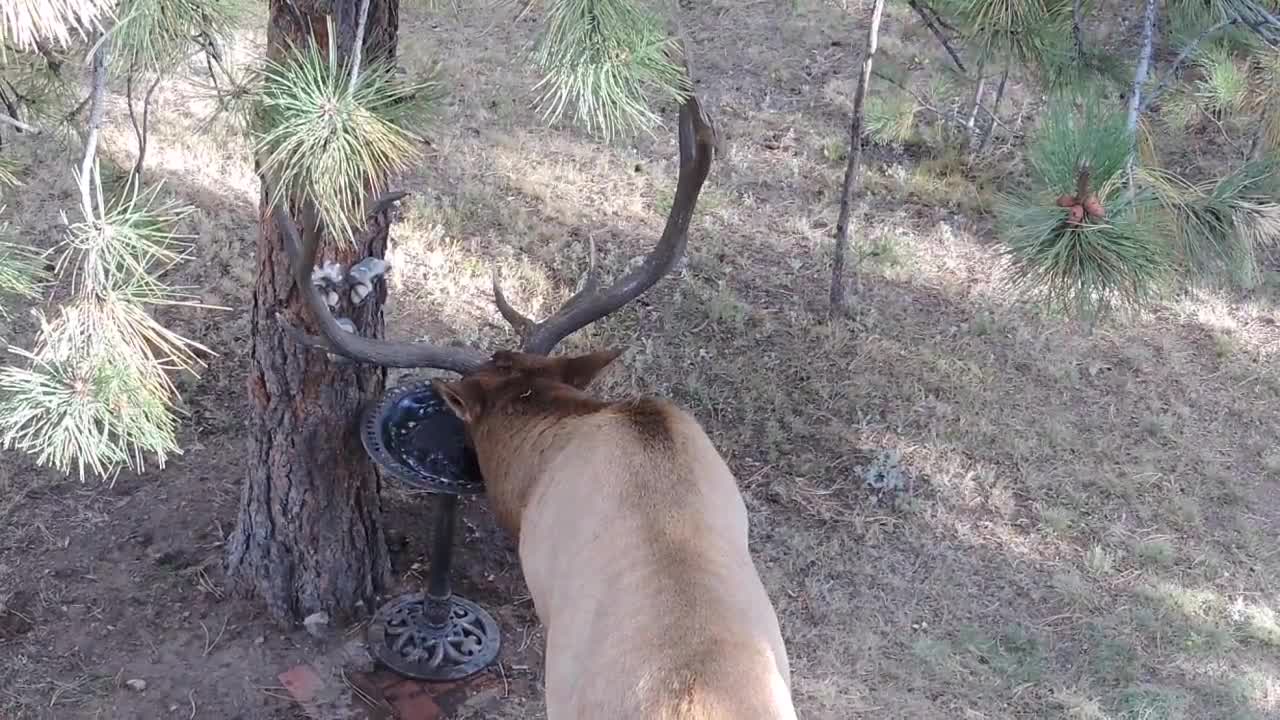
[853, 171]
[309, 536]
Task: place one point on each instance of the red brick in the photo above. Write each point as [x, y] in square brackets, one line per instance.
[302, 682]
[412, 701]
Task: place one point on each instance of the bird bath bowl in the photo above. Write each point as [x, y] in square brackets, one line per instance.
[416, 438]
[434, 635]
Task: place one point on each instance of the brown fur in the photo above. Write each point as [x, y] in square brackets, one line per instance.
[633, 541]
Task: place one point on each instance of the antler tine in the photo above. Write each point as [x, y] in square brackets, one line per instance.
[591, 282]
[697, 146]
[523, 323]
[519, 321]
[334, 339]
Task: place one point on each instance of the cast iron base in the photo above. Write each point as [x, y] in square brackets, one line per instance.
[406, 637]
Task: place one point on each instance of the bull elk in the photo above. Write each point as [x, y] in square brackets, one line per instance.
[632, 532]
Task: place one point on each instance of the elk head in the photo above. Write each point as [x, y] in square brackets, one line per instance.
[697, 145]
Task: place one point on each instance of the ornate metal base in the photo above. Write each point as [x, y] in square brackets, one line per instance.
[434, 639]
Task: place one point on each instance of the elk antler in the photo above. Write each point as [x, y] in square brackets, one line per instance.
[698, 141]
[388, 353]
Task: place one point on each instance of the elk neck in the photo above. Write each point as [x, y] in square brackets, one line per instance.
[515, 445]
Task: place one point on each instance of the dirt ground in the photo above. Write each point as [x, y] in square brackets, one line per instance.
[962, 508]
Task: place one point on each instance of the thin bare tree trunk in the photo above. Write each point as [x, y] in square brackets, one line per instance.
[1143, 67]
[971, 126]
[995, 110]
[1140, 79]
[853, 170]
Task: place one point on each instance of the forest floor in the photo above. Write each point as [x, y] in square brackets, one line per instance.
[1078, 525]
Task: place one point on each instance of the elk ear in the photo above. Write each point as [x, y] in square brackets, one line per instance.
[465, 399]
[579, 371]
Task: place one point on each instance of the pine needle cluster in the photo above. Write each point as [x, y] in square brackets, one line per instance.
[329, 138]
[609, 61]
[152, 34]
[1089, 264]
[26, 23]
[95, 391]
[1156, 228]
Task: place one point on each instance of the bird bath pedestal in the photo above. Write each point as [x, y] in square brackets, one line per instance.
[432, 635]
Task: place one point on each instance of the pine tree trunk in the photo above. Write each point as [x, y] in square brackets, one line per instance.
[853, 171]
[309, 536]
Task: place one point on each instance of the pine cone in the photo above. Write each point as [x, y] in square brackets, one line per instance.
[1066, 201]
[1094, 207]
[1075, 215]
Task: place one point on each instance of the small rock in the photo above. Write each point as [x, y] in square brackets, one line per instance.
[317, 624]
[136, 684]
[259, 640]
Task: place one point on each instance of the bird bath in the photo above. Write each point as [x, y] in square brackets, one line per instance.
[433, 635]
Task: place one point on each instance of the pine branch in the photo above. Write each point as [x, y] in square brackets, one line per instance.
[1266, 25]
[937, 33]
[603, 59]
[24, 127]
[97, 106]
[357, 47]
[140, 129]
[1181, 58]
[10, 104]
[53, 62]
[329, 158]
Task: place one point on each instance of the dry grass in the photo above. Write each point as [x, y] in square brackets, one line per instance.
[1062, 524]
